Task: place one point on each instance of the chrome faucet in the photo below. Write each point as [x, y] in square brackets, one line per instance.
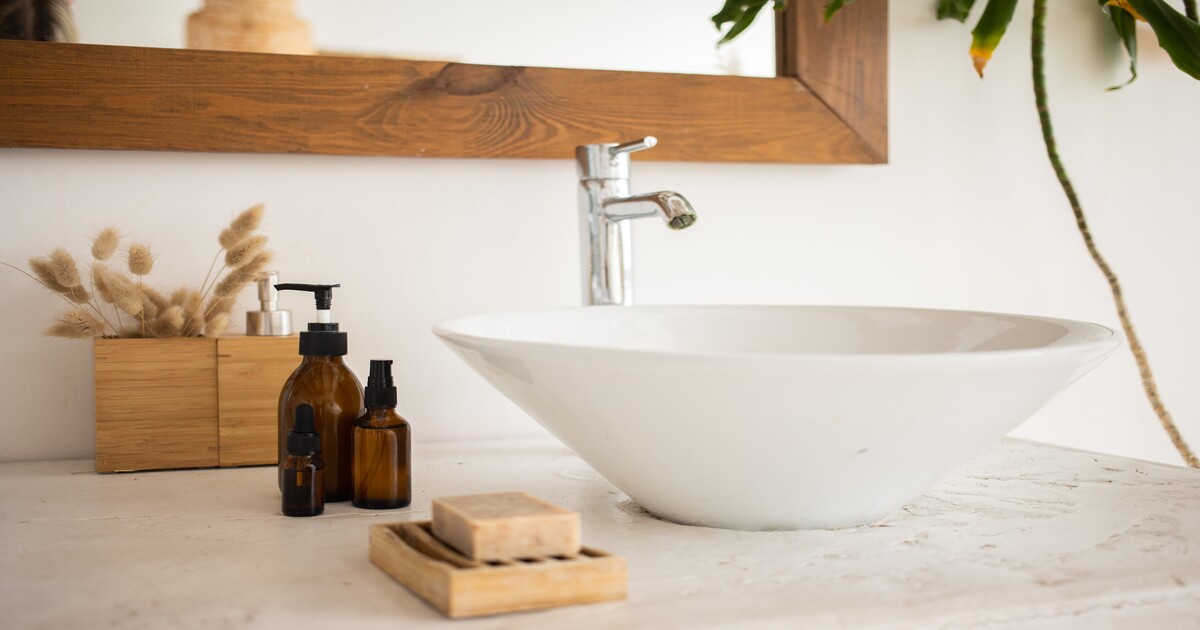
[605, 208]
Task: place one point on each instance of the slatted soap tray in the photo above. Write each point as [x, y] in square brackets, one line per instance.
[461, 587]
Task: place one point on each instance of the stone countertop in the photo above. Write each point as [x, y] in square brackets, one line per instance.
[1025, 535]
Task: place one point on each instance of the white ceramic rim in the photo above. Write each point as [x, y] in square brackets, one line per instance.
[444, 330]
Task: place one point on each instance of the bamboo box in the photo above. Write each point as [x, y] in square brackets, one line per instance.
[191, 402]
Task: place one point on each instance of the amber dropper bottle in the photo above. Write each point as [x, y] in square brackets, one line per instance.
[382, 470]
[302, 469]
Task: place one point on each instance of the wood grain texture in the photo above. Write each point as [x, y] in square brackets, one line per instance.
[250, 373]
[104, 97]
[843, 63]
[156, 403]
[458, 587]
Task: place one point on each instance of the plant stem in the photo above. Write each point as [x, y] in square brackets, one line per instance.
[1189, 6]
[211, 266]
[142, 315]
[1139, 354]
[60, 296]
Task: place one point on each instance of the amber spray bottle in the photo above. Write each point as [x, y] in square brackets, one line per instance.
[302, 470]
[323, 381]
[382, 468]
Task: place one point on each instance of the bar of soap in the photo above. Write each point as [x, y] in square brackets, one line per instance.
[505, 525]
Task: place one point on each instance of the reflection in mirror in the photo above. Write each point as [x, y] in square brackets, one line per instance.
[631, 35]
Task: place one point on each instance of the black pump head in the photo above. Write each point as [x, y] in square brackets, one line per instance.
[381, 389]
[323, 337]
[322, 292]
[304, 439]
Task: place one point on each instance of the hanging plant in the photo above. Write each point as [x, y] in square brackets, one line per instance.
[1178, 34]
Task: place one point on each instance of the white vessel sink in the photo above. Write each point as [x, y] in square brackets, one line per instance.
[776, 417]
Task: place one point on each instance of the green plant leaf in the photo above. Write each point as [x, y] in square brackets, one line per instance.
[741, 14]
[954, 9]
[1177, 34]
[833, 6]
[1124, 24]
[990, 30]
[728, 13]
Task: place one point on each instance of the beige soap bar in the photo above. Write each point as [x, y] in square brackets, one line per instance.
[505, 525]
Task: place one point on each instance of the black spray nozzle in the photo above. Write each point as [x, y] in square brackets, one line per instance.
[323, 292]
[304, 439]
[381, 389]
[381, 373]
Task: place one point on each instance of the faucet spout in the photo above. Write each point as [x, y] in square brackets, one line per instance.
[673, 208]
[605, 207]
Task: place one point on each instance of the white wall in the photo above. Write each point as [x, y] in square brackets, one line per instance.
[966, 215]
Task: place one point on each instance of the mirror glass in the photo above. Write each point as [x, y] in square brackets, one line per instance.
[629, 35]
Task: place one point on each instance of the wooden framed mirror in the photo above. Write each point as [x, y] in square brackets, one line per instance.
[828, 104]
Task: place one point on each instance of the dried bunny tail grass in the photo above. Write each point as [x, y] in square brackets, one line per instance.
[245, 251]
[216, 306]
[79, 295]
[160, 301]
[238, 278]
[168, 324]
[104, 245]
[120, 290]
[64, 268]
[241, 226]
[150, 308]
[179, 296]
[141, 260]
[48, 271]
[76, 323]
[191, 303]
[217, 325]
[44, 270]
[100, 273]
[194, 301]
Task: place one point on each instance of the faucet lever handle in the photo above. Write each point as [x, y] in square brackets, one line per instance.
[633, 145]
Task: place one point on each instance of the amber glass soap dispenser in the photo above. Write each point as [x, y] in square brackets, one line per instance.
[323, 381]
[302, 469]
[382, 471]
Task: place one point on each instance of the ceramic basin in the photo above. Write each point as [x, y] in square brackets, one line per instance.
[776, 417]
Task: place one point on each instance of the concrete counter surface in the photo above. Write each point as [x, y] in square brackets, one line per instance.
[1026, 535]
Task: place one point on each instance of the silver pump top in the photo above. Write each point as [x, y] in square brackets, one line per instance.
[268, 321]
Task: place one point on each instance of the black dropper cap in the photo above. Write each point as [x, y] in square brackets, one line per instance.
[304, 439]
[322, 338]
[381, 389]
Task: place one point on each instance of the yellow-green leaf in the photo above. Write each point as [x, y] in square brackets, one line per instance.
[1124, 4]
[990, 30]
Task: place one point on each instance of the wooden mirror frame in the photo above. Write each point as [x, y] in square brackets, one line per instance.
[828, 104]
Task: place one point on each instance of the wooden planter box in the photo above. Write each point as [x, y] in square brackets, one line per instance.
[190, 402]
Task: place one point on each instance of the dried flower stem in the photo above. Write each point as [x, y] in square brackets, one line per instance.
[142, 312]
[187, 312]
[204, 288]
[60, 295]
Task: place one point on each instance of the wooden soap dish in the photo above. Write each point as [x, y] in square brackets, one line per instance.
[461, 587]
